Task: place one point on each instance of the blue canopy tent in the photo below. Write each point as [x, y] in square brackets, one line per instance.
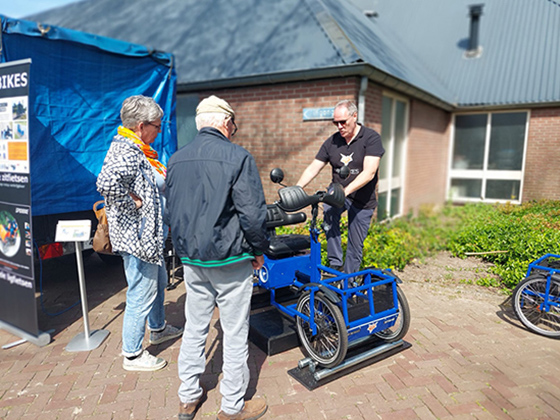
[78, 82]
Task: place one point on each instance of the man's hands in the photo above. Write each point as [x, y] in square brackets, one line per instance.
[258, 262]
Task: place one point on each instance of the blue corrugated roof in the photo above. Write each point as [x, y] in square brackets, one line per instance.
[520, 41]
[210, 40]
[421, 42]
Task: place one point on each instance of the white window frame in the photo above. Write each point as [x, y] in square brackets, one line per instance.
[486, 174]
[391, 183]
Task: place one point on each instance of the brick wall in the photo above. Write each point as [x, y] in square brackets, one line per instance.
[542, 176]
[271, 127]
[427, 156]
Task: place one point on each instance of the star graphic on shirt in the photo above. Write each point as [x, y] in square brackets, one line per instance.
[346, 159]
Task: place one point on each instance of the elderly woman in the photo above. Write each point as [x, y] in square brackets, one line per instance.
[131, 181]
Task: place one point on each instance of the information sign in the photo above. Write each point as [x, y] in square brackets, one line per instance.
[18, 307]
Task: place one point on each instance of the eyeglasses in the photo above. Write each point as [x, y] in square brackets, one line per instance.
[156, 126]
[234, 127]
[343, 122]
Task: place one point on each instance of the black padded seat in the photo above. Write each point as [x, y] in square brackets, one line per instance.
[282, 246]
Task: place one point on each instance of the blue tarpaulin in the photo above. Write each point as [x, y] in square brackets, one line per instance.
[78, 82]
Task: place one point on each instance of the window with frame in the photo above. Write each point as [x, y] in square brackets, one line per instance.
[394, 126]
[487, 157]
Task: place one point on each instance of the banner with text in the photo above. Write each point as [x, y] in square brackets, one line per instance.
[17, 285]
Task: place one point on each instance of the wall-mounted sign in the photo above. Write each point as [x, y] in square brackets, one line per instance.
[313, 114]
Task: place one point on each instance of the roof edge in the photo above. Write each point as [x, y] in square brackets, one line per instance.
[500, 107]
[357, 69]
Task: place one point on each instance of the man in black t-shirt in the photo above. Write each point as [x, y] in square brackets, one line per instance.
[360, 149]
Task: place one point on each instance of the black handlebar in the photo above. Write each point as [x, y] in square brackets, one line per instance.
[295, 198]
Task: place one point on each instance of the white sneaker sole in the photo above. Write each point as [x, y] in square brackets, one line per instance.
[134, 368]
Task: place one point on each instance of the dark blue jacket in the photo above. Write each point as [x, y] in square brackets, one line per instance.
[215, 202]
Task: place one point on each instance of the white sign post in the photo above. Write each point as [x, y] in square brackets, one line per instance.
[78, 231]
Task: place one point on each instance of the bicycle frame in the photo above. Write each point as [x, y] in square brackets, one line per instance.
[550, 272]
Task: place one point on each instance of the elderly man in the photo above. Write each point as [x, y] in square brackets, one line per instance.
[360, 149]
[217, 213]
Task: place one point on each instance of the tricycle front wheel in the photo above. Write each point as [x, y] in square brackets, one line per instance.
[329, 345]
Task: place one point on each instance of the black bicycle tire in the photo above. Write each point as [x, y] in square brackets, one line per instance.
[530, 317]
[311, 344]
[403, 321]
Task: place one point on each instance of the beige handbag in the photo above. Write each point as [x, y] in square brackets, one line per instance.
[101, 241]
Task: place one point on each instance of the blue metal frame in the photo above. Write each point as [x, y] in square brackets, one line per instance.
[535, 265]
[279, 273]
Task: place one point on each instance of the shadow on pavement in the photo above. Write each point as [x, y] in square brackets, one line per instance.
[58, 289]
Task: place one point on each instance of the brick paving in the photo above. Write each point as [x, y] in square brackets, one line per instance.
[469, 359]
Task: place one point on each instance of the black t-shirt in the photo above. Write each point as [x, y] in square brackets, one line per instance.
[336, 152]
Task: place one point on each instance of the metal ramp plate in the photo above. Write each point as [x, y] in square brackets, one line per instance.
[357, 358]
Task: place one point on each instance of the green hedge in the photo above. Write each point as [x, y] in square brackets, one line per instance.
[525, 232]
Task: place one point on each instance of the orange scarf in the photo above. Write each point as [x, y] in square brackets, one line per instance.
[148, 151]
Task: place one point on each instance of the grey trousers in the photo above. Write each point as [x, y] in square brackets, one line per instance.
[358, 225]
[230, 288]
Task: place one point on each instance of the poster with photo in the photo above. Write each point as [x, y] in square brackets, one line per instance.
[17, 284]
[14, 135]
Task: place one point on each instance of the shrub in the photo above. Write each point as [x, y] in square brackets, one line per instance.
[525, 232]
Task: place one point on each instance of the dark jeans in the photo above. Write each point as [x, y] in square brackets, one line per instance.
[358, 225]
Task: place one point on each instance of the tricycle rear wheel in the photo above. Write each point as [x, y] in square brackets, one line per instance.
[329, 346]
[529, 305]
[399, 330]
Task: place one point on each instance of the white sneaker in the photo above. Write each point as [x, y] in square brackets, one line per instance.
[168, 333]
[145, 362]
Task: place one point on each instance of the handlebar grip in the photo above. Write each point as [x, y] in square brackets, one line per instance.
[295, 198]
[335, 196]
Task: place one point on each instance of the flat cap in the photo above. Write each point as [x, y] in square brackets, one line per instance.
[214, 104]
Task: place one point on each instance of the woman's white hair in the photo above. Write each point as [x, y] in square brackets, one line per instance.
[137, 109]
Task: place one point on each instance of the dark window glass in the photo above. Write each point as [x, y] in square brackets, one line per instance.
[466, 188]
[502, 189]
[470, 134]
[507, 138]
[382, 206]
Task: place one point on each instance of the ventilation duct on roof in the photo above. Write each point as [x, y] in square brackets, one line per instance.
[475, 11]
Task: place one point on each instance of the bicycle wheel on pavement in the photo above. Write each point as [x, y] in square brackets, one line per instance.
[399, 330]
[329, 346]
[528, 299]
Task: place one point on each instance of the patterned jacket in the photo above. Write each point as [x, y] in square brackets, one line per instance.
[138, 232]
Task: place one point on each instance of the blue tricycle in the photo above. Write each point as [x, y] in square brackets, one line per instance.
[536, 299]
[334, 310]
